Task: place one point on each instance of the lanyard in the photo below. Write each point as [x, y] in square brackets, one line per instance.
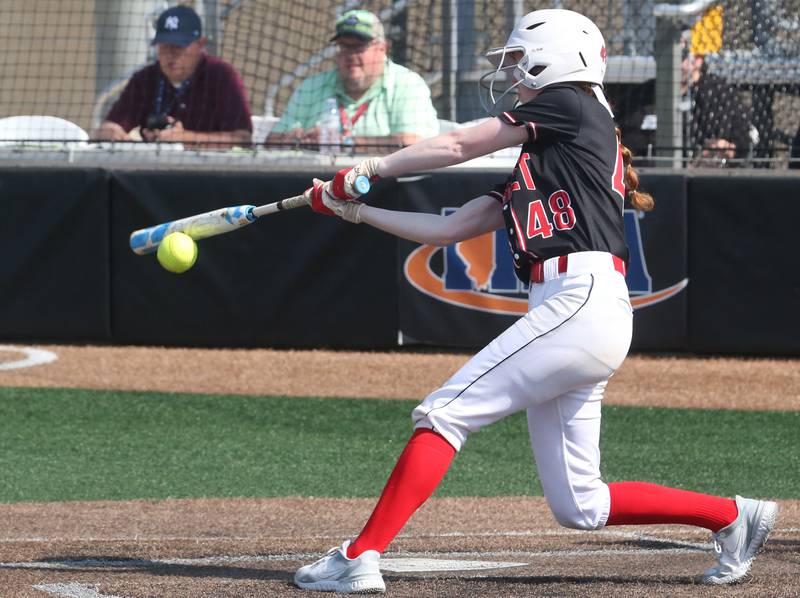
[178, 92]
[347, 124]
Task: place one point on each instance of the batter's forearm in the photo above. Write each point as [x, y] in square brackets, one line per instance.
[427, 154]
[429, 229]
[452, 148]
[474, 218]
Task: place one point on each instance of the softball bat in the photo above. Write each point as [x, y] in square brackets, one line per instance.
[217, 222]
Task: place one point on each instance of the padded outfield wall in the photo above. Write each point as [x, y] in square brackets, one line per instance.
[711, 268]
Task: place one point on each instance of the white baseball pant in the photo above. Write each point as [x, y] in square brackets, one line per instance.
[554, 363]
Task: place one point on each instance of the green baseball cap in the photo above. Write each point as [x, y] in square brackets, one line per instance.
[361, 23]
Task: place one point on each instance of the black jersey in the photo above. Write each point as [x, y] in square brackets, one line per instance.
[567, 190]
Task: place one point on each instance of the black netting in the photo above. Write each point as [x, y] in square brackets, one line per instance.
[739, 103]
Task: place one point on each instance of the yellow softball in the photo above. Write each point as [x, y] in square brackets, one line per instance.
[177, 252]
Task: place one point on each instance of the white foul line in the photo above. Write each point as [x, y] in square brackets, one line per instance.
[33, 357]
[648, 535]
[393, 560]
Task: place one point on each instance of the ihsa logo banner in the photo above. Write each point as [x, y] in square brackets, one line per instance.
[478, 274]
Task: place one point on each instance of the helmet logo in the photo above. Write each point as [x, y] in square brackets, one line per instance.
[603, 53]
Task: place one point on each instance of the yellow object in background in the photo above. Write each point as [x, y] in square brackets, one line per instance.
[707, 32]
[177, 252]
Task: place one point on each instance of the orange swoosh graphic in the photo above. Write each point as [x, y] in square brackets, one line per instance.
[419, 274]
[658, 296]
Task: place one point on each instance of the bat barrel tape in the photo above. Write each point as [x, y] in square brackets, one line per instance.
[200, 226]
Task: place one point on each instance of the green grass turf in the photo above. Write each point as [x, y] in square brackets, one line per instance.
[88, 445]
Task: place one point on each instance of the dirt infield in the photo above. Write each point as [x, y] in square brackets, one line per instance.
[251, 547]
[720, 383]
[451, 547]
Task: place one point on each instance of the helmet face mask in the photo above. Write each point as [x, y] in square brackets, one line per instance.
[556, 46]
[506, 66]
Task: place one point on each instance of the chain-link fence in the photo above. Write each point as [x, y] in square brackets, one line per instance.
[703, 82]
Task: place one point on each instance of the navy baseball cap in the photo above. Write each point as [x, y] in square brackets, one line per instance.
[178, 26]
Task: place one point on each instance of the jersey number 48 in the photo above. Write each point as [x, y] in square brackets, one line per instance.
[563, 216]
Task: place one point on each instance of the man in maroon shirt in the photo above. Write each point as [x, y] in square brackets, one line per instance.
[187, 96]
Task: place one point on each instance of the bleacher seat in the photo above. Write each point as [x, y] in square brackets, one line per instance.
[40, 130]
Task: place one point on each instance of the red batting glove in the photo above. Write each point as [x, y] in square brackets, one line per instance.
[338, 187]
[315, 195]
[343, 184]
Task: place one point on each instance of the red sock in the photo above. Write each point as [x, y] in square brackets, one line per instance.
[637, 503]
[418, 471]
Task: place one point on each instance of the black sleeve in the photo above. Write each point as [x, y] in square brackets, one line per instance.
[553, 115]
[498, 192]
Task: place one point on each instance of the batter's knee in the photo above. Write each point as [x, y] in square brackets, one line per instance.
[454, 433]
[572, 517]
[579, 507]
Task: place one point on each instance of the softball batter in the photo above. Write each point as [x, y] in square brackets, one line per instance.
[562, 208]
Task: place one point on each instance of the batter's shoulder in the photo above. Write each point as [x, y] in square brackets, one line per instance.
[567, 98]
[558, 101]
[554, 114]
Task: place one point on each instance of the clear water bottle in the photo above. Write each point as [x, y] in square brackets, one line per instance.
[330, 128]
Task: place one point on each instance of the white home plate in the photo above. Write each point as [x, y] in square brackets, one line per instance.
[412, 565]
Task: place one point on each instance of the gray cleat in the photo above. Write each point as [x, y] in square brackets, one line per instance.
[737, 544]
[336, 573]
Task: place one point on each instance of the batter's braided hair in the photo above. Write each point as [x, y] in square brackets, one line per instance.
[640, 200]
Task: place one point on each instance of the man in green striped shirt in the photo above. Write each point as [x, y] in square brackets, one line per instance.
[381, 105]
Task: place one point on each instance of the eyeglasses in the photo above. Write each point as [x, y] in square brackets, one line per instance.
[354, 48]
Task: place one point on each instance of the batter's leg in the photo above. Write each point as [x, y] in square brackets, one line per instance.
[576, 338]
[740, 526]
[640, 503]
[562, 343]
[565, 434]
[565, 438]
[420, 468]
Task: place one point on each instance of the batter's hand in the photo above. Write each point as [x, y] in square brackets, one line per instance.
[343, 185]
[321, 200]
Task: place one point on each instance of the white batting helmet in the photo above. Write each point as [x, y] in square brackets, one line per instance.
[556, 46]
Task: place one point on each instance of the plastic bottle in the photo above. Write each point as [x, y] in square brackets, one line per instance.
[330, 128]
